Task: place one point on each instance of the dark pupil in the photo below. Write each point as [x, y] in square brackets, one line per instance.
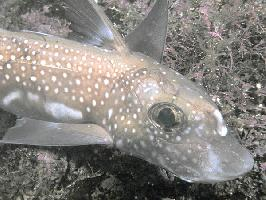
[166, 117]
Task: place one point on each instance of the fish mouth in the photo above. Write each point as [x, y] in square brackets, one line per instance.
[218, 169]
[221, 159]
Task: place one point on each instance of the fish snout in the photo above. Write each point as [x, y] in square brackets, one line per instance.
[226, 160]
[217, 159]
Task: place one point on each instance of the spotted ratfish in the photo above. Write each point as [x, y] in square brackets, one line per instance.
[98, 88]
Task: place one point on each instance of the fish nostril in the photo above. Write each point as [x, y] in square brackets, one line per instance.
[225, 161]
[224, 164]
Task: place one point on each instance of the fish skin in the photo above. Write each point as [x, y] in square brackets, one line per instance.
[57, 80]
[56, 70]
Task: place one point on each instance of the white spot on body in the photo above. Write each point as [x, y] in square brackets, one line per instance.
[88, 109]
[43, 62]
[17, 78]
[106, 95]
[33, 78]
[81, 99]
[221, 128]
[178, 138]
[61, 111]
[53, 78]
[13, 57]
[66, 90]
[46, 88]
[8, 66]
[11, 97]
[7, 77]
[69, 65]
[56, 90]
[106, 81]
[110, 113]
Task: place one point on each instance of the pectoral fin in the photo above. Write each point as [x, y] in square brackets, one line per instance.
[90, 24]
[42, 133]
[149, 37]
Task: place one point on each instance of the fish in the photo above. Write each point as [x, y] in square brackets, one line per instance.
[96, 87]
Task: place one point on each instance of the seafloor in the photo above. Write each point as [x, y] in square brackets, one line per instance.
[219, 44]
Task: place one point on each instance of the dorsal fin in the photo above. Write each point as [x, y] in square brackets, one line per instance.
[90, 24]
[149, 37]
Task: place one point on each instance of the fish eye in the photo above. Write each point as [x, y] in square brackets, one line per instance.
[167, 117]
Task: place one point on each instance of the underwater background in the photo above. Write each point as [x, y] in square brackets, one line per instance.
[219, 44]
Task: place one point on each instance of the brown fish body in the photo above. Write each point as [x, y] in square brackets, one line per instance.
[36, 67]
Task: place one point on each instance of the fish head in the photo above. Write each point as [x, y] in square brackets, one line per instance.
[174, 124]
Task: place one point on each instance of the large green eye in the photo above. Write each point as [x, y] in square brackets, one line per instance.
[167, 117]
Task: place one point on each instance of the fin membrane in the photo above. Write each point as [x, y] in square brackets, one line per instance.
[36, 132]
[91, 25]
[149, 37]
